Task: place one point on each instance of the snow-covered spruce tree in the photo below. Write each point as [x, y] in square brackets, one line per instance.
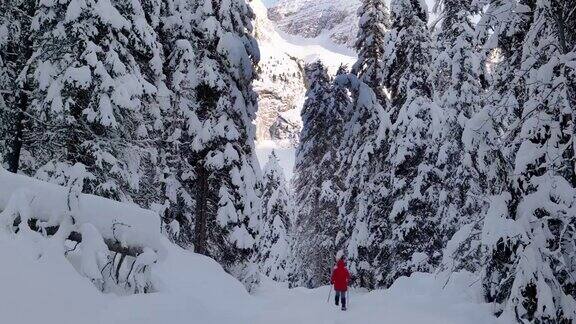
[15, 51]
[363, 185]
[316, 225]
[273, 250]
[413, 203]
[226, 174]
[503, 28]
[152, 164]
[179, 39]
[374, 22]
[339, 105]
[364, 150]
[95, 65]
[488, 137]
[529, 231]
[364, 147]
[459, 93]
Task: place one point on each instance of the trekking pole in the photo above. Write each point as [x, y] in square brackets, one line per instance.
[329, 293]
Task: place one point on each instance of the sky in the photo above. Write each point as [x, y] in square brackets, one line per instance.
[269, 2]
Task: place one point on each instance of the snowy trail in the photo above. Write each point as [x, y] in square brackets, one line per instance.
[194, 289]
[412, 300]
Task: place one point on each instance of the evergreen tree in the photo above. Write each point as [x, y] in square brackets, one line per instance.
[374, 22]
[412, 204]
[365, 188]
[488, 135]
[226, 174]
[529, 231]
[315, 189]
[364, 148]
[459, 92]
[95, 65]
[364, 144]
[178, 36]
[314, 233]
[15, 51]
[273, 241]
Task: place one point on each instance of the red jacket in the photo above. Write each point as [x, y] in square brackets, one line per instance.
[340, 277]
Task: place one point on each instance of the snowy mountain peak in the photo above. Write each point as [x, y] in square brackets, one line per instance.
[332, 19]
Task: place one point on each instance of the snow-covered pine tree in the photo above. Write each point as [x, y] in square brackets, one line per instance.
[15, 51]
[530, 230]
[147, 25]
[95, 65]
[339, 106]
[502, 28]
[374, 22]
[273, 250]
[226, 173]
[416, 243]
[459, 93]
[488, 136]
[362, 176]
[179, 39]
[316, 227]
[364, 150]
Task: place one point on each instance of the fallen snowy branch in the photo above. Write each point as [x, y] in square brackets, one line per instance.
[113, 246]
[125, 228]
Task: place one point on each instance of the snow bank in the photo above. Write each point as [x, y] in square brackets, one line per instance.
[128, 224]
[191, 289]
[39, 285]
[63, 286]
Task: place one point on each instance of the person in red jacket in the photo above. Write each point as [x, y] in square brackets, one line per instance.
[340, 279]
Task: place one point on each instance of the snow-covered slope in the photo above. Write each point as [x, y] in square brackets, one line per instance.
[333, 20]
[192, 289]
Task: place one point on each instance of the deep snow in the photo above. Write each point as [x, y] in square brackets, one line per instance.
[40, 286]
[419, 299]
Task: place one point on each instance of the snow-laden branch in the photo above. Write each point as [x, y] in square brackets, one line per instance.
[125, 228]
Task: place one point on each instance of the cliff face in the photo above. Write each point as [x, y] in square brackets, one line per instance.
[334, 19]
[280, 84]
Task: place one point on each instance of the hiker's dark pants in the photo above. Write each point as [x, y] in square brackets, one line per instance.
[341, 296]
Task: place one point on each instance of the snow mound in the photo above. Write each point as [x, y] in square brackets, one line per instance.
[127, 224]
[191, 289]
[62, 281]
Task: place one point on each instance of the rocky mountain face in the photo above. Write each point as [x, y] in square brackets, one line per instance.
[280, 85]
[334, 19]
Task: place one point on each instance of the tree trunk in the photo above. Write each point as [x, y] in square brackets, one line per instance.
[13, 157]
[202, 196]
[16, 142]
